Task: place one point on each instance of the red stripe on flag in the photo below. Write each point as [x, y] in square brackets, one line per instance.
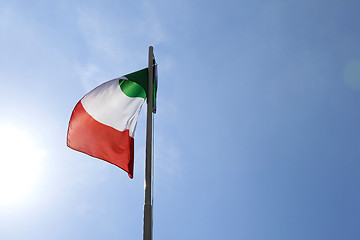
[91, 137]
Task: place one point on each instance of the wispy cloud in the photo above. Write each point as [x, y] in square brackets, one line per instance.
[167, 160]
[151, 25]
[123, 44]
[97, 31]
[87, 75]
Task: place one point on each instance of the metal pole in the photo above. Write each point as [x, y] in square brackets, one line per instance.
[148, 162]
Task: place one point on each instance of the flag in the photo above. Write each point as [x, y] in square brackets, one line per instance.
[103, 122]
[155, 85]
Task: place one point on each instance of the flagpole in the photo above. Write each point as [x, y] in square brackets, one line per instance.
[148, 161]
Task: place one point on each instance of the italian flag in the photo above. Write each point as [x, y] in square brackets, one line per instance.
[103, 122]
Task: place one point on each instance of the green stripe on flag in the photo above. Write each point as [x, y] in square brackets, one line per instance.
[141, 77]
[132, 89]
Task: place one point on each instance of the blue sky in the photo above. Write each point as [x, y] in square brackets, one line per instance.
[257, 132]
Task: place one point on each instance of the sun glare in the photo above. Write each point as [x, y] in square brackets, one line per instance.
[19, 165]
